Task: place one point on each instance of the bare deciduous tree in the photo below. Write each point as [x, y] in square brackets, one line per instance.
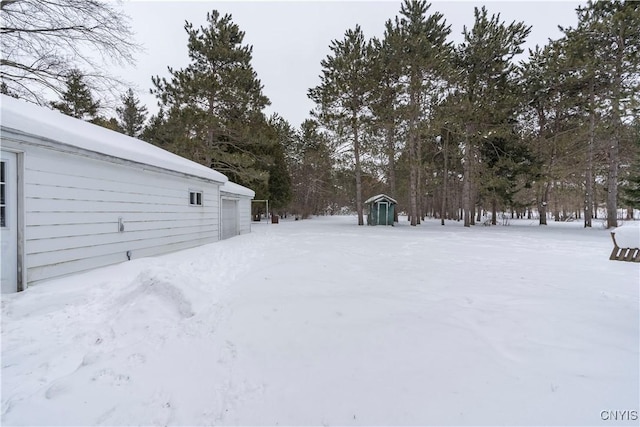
[43, 40]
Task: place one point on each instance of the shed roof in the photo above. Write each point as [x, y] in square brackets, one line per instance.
[42, 122]
[380, 197]
[233, 188]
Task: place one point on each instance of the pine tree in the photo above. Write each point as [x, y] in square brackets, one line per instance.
[565, 118]
[131, 114]
[384, 101]
[77, 100]
[424, 61]
[110, 123]
[279, 183]
[214, 105]
[539, 80]
[487, 73]
[310, 163]
[157, 131]
[612, 28]
[341, 99]
[508, 165]
[583, 84]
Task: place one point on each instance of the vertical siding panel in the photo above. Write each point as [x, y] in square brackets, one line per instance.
[245, 215]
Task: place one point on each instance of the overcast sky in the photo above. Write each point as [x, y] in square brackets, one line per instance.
[290, 38]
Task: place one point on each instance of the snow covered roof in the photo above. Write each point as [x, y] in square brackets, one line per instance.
[378, 198]
[233, 188]
[42, 122]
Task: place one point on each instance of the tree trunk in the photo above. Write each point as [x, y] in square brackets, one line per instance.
[466, 208]
[413, 146]
[391, 153]
[556, 205]
[544, 195]
[494, 212]
[444, 180]
[612, 185]
[614, 145]
[588, 199]
[413, 180]
[595, 200]
[473, 204]
[356, 154]
[543, 213]
[544, 203]
[466, 185]
[419, 199]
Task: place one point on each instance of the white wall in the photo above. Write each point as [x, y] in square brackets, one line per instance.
[244, 210]
[73, 202]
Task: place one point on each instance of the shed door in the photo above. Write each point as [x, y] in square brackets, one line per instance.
[383, 213]
[229, 218]
[9, 222]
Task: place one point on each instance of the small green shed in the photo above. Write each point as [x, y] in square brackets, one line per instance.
[381, 210]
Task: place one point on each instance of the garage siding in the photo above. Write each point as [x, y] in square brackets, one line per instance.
[75, 207]
[244, 212]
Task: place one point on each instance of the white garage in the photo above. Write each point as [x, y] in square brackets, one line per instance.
[76, 196]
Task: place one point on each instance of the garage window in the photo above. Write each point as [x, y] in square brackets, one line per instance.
[195, 198]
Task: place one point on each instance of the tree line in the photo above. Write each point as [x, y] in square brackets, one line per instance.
[450, 131]
[454, 131]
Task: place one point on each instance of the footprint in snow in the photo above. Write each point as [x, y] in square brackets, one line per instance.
[109, 377]
[136, 359]
[89, 359]
[55, 390]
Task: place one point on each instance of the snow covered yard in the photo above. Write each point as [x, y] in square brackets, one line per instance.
[321, 322]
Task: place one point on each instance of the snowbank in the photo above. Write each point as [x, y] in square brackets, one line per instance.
[628, 236]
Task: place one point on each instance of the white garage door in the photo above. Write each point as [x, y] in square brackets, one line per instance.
[229, 218]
